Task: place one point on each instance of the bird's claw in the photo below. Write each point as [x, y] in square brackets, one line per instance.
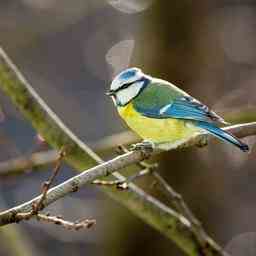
[203, 142]
[146, 146]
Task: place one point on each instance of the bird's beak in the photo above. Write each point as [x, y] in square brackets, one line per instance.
[110, 93]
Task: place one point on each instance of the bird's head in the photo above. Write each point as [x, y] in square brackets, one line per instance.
[127, 85]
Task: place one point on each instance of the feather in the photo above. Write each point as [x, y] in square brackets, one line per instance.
[182, 107]
[223, 135]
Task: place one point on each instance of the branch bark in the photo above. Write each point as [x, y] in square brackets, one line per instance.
[80, 156]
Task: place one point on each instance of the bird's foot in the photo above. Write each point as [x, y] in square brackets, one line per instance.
[202, 142]
[146, 146]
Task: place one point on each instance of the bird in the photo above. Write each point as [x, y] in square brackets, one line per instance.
[162, 114]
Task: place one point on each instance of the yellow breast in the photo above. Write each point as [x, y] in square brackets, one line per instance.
[157, 130]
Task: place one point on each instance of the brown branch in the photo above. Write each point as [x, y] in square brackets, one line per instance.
[58, 220]
[39, 205]
[73, 184]
[46, 185]
[123, 184]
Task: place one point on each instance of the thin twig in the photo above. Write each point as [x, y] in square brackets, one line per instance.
[58, 220]
[47, 184]
[72, 185]
[39, 205]
[123, 184]
[121, 149]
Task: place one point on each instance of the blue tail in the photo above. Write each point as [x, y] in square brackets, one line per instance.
[223, 135]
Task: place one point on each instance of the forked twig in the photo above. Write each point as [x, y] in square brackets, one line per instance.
[47, 184]
[39, 205]
[123, 184]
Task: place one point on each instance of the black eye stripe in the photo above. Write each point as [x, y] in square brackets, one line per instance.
[124, 86]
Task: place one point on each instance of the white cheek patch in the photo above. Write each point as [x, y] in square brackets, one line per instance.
[125, 95]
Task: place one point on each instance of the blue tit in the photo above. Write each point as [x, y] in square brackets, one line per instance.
[163, 114]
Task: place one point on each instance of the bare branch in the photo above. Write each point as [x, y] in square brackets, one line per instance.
[73, 184]
[39, 205]
[47, 184]
[57, 220]
[123, 184]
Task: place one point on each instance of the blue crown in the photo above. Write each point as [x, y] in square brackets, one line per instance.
[128, 73]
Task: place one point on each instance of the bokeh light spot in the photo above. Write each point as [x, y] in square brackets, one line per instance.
[237, 34]
[243, 244]
[119, 55]
[130, 6]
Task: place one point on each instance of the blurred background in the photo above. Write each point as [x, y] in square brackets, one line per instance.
[69, 51]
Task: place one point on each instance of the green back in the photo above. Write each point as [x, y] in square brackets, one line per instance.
[157, 94]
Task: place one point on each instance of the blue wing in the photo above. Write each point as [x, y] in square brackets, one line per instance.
[184, 107]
